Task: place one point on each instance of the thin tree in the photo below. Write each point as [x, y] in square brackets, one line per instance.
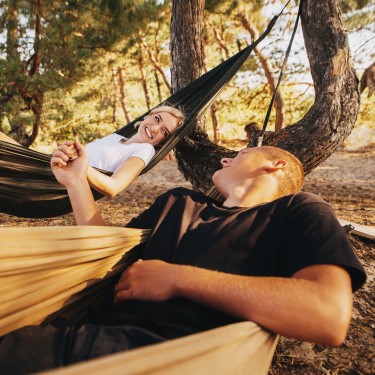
[124, 104]
[267, 68]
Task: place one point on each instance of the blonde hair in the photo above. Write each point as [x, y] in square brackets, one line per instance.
[292, 180]
[171, 110]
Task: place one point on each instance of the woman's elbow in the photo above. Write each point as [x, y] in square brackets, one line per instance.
[110, 193]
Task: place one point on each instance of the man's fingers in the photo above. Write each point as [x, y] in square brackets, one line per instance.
[123, 295]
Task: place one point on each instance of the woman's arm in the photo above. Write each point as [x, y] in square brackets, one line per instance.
[109, 186]
[120, 180]
[5, 138]
[73, 176]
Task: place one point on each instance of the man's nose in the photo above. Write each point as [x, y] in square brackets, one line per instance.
[225, 161]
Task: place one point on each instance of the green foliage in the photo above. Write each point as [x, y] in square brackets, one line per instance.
[348, 5]
[83, 41]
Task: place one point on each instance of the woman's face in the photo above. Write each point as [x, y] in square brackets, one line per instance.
[157, 128]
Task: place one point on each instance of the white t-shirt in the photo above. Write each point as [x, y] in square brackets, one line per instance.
[109, 153]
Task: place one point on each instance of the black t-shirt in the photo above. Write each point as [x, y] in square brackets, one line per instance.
[272, 239]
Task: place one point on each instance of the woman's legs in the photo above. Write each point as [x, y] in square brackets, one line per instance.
[5, 138]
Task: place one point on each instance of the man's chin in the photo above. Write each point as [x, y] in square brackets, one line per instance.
[217, 180]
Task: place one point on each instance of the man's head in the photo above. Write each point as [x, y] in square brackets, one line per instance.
[277, 169]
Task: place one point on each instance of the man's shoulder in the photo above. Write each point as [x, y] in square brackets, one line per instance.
[304, 198]
[183, 193]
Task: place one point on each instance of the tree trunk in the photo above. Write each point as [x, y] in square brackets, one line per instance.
[186, 42]
[143, 75]
[220, 41]
[213, 108]
[35, 99]
[123, 102]
[326, 125]
[114, 95]
[268, 69]
[155, 62]
[32, 99]
[193, 152]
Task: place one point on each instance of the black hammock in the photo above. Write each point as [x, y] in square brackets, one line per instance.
[28, 187]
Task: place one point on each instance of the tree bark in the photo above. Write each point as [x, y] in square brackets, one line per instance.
[193, 152]
[186, 42]
[328, 122]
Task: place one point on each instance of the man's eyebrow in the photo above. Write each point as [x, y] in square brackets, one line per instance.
[243, 151]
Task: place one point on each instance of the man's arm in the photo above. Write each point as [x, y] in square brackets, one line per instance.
[314, 305]
[72, 175]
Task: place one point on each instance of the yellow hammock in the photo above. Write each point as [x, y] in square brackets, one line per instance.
[58, 271]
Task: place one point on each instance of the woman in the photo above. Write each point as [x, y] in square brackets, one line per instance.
[125, 158]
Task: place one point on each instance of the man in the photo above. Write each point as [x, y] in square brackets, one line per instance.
[269, 254]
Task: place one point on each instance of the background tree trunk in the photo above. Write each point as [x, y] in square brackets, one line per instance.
[154, 60]
[268, 71]
[143, 73]
[192, 153]
[319, 133]
[31, 98]
[124, 104]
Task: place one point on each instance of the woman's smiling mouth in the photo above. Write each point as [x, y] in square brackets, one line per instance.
[148, 133]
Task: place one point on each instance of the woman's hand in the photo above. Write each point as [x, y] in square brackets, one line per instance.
[69, 163]
[147, 280]
[64, 153]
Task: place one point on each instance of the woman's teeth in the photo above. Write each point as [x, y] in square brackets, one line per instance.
[148, 133]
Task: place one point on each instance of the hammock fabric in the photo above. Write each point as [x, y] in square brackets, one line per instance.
[59, 271]
[240, 348]
[28, 187]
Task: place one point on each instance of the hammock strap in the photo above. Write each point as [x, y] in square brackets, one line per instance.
[270, 106]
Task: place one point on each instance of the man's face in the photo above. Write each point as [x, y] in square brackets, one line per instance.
[248, 163]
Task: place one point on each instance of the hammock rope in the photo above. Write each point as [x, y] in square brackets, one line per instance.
[260, 138]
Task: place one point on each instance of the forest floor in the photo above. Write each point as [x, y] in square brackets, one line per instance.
[346, 180]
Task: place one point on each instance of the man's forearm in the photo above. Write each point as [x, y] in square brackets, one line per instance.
[83, 204]
[309, 309]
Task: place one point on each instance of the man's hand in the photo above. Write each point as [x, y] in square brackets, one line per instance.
[147, 280]
[69, 163]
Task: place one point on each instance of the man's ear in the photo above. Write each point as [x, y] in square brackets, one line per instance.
[275, 165]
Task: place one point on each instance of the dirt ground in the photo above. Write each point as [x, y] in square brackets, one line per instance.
[346, 180]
